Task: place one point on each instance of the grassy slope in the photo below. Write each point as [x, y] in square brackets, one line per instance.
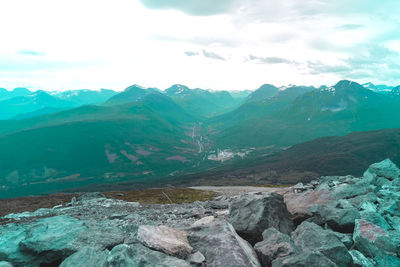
[75, 142]
[335, 155]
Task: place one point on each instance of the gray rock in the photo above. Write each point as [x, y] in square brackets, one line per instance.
[251, 214]
[304, 259]
[221, 245]
[274, 245]
[166, 239]
[359, 260]
[136, 255]
[221, 204]
[311, 237]
[87, 257]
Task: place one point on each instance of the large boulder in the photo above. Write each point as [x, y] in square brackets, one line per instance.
[382, 170]
[169, 240]
[338, 215]
[47, 240]
[311, 237]
[304, 259]
[221, 245]
[52, 238]
[10, 236]
[274, 245]
[251, 214]
[375, 242]
[300, 204]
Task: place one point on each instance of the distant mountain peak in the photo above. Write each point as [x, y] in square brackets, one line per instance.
[264, 92]
[178, 89]
[396, 90]
[132, 93]
[21, 90]
[345, 85]
[135, 87]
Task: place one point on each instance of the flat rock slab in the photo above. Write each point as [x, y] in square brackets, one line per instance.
[222, 246]
[169, 240]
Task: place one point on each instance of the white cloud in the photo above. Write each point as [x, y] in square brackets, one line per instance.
[113, 44]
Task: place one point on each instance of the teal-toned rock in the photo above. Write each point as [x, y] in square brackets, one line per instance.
[385, 169]
[86, 257]
[136, 255]
[311, 237]
[52, 238]
[359, 260]
[304, 259]
[373, 241]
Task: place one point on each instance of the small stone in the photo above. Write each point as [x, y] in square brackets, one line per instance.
[72, 203]
[203, 221]
[222, 213]
[197, 258]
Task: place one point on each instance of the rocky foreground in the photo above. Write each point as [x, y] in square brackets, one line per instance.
[335, 221]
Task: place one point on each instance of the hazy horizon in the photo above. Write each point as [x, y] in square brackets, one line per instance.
[228, 45]
[163, 89]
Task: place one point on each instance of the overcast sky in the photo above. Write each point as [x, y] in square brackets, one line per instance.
[216, 44]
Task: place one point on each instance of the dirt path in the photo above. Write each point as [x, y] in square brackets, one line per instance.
[238, 190]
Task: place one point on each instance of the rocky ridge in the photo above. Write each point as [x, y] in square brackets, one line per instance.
[335, 221]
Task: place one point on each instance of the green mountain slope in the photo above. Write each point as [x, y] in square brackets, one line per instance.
[93, 144]
[338, 110]
[258, 105]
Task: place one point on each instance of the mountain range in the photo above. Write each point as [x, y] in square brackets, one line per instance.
[143, 135]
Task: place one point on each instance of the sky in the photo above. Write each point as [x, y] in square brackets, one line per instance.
[209, 44]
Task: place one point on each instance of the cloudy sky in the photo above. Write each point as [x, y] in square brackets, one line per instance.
[224, 44]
